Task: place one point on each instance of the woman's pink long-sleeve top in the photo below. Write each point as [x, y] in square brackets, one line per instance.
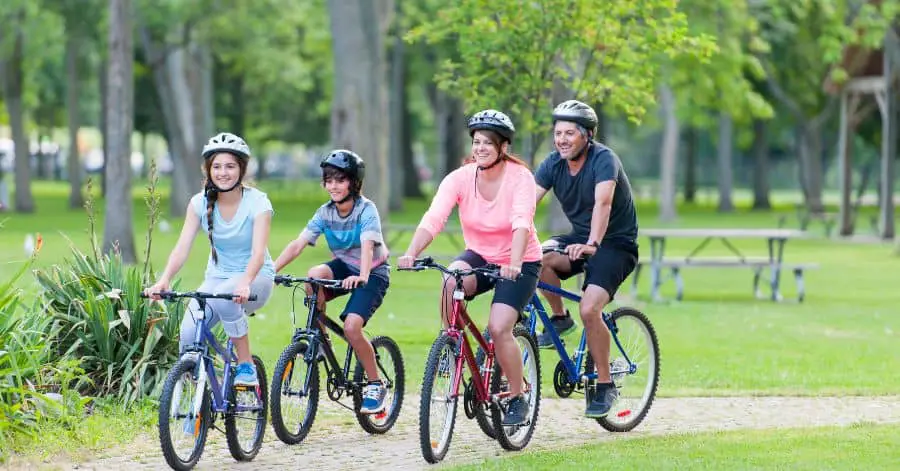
[487, 226]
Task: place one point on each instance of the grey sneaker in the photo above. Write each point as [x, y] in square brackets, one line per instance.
[604, 396]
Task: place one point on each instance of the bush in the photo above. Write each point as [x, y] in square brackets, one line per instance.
[126, 344]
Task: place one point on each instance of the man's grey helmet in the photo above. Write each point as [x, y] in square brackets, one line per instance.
[226, 142]
[492, 120]
[576, 112]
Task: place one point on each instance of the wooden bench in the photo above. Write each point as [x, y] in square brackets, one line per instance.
[756, 264]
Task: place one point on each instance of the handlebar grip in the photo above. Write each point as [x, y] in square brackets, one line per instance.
[252, 297]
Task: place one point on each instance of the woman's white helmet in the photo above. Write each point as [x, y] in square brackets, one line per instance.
[226, 142]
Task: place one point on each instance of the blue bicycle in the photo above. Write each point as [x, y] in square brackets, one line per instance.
[193, 396]
[634, 359]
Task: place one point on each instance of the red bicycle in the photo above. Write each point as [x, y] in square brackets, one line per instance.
[486, 389]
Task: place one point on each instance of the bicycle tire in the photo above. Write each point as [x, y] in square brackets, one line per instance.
[432, 451]
[514, 438]
[373, 423]
[283, 374]
[611, 422]
[201, 423]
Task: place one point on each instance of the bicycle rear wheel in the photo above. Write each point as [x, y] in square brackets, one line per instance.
[245, 422]
[182, 429]
[516, 437]
[389, 362]
[437, 410]
[637, 389]
[293, 412]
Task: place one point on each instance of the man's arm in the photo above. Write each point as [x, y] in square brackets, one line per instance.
[603, 197]
[539, 193]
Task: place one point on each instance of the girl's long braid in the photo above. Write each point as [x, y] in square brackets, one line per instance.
[211, 197]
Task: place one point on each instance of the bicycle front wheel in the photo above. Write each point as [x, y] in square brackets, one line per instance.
[245, 422]
[293, 409]
[182, 429]
[437, 410]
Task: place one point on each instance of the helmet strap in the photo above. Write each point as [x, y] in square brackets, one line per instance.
[213, 187]
[492, 165]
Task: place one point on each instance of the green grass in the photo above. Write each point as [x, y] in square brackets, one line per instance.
[863, 446]
[719, 341]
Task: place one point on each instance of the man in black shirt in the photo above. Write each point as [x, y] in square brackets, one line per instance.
[590, 184]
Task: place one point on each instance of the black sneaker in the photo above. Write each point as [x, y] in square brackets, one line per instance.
[602, 400]
[516, 411]
[561, 324]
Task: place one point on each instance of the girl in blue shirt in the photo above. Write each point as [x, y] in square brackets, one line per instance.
[236, 219]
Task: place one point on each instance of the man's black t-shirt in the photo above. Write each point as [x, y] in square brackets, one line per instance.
[576, 194]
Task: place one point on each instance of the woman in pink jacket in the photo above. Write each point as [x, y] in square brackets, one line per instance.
[495, 194]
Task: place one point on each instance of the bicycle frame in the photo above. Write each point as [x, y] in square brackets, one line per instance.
[316, 335]
[459, 314]
[205, 371]
[572, 367]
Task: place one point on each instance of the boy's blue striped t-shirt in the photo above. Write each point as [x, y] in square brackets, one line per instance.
[345, 235]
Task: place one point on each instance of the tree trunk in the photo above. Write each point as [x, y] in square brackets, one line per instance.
[668, 155]
[118, 231]
[184, 96]
[726, 128]
[104, 122]
[760, 166]
[690, 165]
[811, 165]
[11, 66]
[401, 164]
[360, 93]
[602, 125]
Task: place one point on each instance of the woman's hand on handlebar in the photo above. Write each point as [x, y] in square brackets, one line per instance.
[406, 261]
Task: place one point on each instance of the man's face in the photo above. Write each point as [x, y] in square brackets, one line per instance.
[568, 139]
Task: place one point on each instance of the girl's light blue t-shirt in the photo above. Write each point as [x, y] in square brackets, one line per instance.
[234, 239]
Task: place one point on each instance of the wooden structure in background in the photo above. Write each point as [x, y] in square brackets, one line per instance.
[872, 72]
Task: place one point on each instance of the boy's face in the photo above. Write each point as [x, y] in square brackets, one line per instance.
[338, 186]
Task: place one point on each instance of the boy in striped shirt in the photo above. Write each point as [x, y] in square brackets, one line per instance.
[352, 229]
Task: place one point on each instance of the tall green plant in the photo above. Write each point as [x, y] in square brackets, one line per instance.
[126, 345]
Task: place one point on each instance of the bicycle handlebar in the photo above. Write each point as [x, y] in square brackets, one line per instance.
[491, 270]
[172, 295]
[288, 280]
[561, 249]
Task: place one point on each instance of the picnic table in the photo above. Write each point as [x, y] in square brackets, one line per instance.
[775, 241]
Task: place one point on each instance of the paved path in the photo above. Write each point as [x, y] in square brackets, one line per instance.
[337, 442]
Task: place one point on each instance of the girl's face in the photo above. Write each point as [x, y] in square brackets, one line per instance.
[225, 170]
[485, 149]
[337, 185]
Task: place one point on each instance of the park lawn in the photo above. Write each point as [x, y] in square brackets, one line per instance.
[861, 446]
[718, 341]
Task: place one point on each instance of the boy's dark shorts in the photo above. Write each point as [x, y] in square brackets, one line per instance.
[607, 268]
[363, 300]
[514, 293]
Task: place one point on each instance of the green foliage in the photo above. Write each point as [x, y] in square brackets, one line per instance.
[725, 81]
[125, 344]
[806, 42]
[511, 53]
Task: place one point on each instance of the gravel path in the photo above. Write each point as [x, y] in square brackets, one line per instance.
[337, 442]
